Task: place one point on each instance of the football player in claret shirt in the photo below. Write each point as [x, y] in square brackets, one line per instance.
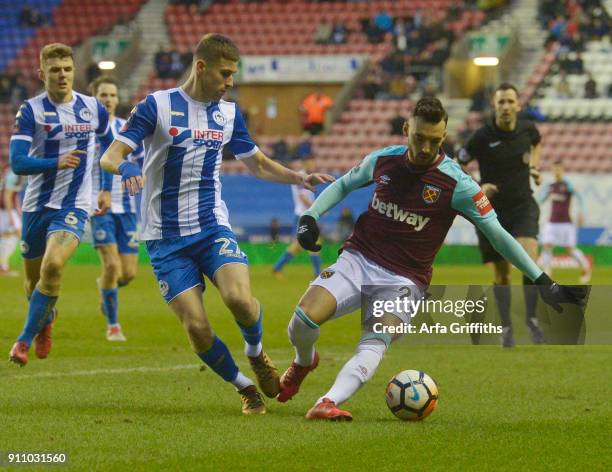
[114, 233]
[507, 150]
[417, 193]
[54, 144]
[560, 231]
[185, 222]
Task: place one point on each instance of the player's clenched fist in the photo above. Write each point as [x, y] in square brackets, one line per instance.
[308, 233]
[70, 160]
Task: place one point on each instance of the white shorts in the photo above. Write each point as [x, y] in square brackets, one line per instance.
[10, 221]
[353, 275]
[559, 234]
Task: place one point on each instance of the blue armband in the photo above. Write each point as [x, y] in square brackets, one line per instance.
[129, 170]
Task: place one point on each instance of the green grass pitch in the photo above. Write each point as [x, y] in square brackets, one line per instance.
[145, 405]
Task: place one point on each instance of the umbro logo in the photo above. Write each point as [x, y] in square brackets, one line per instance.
[495, 144]
[302, 229]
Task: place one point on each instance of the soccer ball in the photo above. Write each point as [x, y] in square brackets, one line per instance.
[411, 395]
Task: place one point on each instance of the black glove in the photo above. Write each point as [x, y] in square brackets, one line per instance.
[308, 233]
[553, 294]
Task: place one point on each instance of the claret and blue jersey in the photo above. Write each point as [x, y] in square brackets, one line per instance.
[183, 141]
[47, 130]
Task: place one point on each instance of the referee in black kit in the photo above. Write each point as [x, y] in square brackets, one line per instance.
[508, 152]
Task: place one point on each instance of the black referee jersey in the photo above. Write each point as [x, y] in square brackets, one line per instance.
[503, 158]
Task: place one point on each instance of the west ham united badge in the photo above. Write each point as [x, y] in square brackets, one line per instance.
[431, 194]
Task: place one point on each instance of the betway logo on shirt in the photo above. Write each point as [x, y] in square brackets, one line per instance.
[393, 211]
[75, 131]
[211, 138]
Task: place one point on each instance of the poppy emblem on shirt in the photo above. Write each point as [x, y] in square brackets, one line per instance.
[431, 193]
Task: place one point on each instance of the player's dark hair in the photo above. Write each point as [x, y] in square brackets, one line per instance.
[431, 110]
[55, 50]
[506, 86]
[213, 47]
[103, 79]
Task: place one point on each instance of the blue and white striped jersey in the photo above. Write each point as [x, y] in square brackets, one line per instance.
[183, 142]
[121, 201]
[54, 129]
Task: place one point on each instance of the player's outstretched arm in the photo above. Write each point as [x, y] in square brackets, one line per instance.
[114, 161]
[552, 293]
[308, 231]
[265, 168]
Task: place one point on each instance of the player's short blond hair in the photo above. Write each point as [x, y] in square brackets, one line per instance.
[214, 47]
[53, 51]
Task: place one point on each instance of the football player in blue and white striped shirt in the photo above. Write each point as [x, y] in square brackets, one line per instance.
[114, 233]
[53, 143]
[185, 222]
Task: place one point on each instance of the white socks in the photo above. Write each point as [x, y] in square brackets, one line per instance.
[7, 246]
[358, 370]
[578, 255]
[546, 259]
[252, 350]
[241, 381]
[303, 336]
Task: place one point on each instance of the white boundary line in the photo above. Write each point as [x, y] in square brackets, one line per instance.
[85, 373]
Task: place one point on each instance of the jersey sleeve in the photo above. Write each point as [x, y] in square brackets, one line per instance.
[469, 200]
[103, 120]
[534, 134]
[544, 194]
[140, 124]
[25, 125]
[469, 149]
[241, 144]
[358, 176]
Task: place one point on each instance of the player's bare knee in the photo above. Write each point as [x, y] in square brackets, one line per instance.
[51, 269]
[240, 302]
[112, 268]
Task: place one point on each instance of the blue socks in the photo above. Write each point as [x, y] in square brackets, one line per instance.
[315, 259]
[39, 314]
[109, 304]
[219, 359]
[252, 336]
[282, 261]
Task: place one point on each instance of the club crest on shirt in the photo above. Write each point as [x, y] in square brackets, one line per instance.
[431, 193]
[326, 274]
[164, 288]
[219, 118]
[384, 179]
[85, 114]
